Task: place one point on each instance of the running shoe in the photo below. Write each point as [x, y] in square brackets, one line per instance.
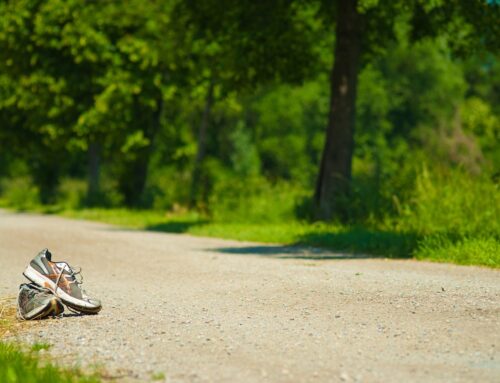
[35, 302]
[62, 280]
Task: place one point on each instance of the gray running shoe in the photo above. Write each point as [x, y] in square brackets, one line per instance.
[35, 302]
[62, 280]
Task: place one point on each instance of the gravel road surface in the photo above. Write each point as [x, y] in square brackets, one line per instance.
[187, 309]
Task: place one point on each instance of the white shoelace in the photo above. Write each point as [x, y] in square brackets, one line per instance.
[71, 270]
[78, 273]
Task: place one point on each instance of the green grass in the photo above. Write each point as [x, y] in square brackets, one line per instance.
[464, 249]
[441, 215]
[158, 376]
[329, 236]
[20, 366]
[40, 346]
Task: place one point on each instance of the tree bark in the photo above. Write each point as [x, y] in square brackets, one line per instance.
[202, 144]
[46, 169]
[133, 179]
[333, 183]
[94, 170]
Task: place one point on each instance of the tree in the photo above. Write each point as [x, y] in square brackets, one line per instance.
[358, 23]
[239, 46]
[88, 77]
[335, 168]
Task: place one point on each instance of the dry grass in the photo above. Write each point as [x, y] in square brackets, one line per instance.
[9, 324]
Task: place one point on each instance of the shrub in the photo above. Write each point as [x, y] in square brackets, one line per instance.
[464, 251]
[71, 193]
[254, 200]
[453, 202]
[20, 193]
[166, 187]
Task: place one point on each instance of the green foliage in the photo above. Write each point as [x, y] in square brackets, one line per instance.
[245, 159]
[131, 82]
[166, 188]
[446, 217]
[253, 200]
[454, 203]
[289, 129]
[464, 251]
[40, 346]
[483, 124]
[71, 193]
[17, 366]
[20, 193]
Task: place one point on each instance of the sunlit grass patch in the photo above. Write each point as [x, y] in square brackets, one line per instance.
[40, 346]
[406, 240]
[19, 366]
[463, 251]
[158, 376]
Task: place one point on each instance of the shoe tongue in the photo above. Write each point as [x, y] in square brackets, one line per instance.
[47, 254]
[63, 266]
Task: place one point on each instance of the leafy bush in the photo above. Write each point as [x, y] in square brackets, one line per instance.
[254, 200]
[166, 187]
[109, 196]
[20, 193]
[453, 202]
[71, 193]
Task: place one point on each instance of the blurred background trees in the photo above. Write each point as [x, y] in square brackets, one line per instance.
[222, 107]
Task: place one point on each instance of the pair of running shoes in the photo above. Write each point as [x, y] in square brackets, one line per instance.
[53, 286]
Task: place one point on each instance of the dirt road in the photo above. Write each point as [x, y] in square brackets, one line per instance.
[187, 309]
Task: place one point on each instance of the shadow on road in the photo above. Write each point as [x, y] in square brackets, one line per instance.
[175, 227]
[289, 252]
[353, 243]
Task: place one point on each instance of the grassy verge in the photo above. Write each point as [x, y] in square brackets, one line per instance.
[18, 365]
[21, 365]
[396, 243]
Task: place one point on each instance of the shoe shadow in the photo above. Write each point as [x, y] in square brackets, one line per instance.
[73, 315]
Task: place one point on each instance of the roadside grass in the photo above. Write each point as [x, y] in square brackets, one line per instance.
[433, 245]
[465, 250]
[20, 364]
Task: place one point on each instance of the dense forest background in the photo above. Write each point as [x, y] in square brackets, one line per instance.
[221, 107]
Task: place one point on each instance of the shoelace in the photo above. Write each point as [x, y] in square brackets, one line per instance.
[75, 272]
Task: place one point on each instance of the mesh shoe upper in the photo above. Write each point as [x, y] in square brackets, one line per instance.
[36, 302]
[52, 270]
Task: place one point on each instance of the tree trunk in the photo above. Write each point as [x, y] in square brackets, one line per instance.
[46, 168]
[94, 164]
[133, 178]
[334, 178]
[202, 144]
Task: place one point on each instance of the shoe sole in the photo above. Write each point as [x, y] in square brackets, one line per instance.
[68, 300]
[51, 307]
